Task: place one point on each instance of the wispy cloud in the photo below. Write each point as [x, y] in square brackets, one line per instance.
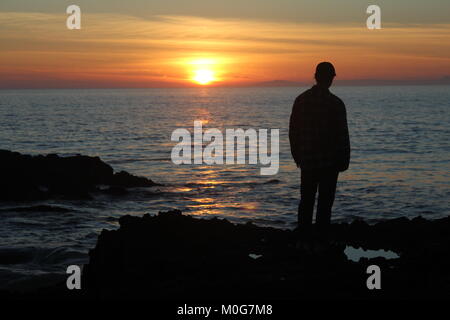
[124, 49]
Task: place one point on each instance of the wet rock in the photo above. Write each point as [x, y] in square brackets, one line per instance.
[40, 208]
[174, 256]
[14, 256]
[116, 191]
[126, 180]
[26, 177]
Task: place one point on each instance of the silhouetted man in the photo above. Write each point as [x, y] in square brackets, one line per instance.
[320, 145]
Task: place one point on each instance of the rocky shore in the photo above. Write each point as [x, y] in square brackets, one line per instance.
[26, 177]
[172, 256]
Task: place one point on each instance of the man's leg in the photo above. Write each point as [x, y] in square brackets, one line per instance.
[308, 187]
[327, 190]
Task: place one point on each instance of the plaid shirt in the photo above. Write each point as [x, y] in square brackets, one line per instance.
[318, 131]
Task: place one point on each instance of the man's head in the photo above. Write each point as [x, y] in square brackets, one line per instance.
[325, 74]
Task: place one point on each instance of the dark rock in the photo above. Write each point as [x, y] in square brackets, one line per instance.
[14, 256]
[174, 256]
[116, 191]
[40, 177]
[126, 180]
[40, 208]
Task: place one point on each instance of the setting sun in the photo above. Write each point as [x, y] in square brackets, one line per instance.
[203, 76]
[203, 71]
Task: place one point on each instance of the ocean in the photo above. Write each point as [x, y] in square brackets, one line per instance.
[400, 164]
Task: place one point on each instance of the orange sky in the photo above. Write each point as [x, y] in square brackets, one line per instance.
[114, 50]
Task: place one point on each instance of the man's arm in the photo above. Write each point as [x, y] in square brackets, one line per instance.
[343, 139]
[294, 131]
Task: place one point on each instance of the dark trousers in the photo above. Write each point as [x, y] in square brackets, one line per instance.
[312, 180]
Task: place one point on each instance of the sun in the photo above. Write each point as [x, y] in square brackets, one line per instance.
[203, 76]
[205, 70]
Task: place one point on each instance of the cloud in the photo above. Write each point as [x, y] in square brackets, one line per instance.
[155, 49]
